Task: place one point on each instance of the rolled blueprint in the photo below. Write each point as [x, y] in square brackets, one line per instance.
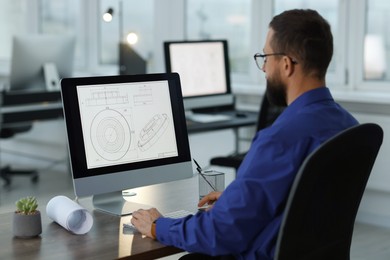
[69, 215]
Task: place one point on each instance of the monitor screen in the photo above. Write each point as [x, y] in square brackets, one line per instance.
[203, 67]
[38, 62]
[125, 132]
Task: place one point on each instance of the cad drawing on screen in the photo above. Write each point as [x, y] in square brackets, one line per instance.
[110, 135]
[115, 134]
[152, 132]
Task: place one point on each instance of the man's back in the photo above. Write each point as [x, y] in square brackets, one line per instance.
[276, 155]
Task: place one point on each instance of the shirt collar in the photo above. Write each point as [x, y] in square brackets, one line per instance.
[311, 96]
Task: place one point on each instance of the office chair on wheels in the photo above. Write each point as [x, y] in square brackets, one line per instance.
[325, 196]
[6, 172]
[267, 115]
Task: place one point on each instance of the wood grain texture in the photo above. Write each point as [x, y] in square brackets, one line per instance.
[107, 239]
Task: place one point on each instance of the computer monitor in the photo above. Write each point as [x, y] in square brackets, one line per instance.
[130, 62]
[124, 132]
[38, 61]
[203, 67]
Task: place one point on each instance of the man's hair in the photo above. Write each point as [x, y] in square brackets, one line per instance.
[305, 36]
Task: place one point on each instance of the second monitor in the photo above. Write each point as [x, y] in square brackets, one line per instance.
[40, 61]
[203, 67]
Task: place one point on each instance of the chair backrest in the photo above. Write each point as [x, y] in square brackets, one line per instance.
[324, 199]
[267, 113]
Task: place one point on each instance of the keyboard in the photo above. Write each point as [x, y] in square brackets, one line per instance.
[174, 214]
[178, 214]
[207, 118]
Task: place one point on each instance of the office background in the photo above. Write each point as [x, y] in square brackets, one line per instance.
[358, 76]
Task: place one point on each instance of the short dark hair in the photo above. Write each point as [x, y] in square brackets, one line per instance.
[305, 36]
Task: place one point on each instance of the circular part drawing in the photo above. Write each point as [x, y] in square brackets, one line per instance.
[152, 131]
[110, 135]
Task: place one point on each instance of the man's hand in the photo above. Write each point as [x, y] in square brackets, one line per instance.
[209, 199]
[143, 220]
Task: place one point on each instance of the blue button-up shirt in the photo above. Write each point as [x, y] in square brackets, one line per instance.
[246, 218]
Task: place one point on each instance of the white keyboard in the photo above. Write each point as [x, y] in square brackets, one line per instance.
[174, 214]
[208, 118]
[178, 214]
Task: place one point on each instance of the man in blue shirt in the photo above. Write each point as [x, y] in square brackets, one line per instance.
[244, 220]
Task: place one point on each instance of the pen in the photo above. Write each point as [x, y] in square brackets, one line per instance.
[199, 169]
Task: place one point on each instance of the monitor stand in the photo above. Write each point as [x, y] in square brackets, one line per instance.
[52, 79]
[114, 203]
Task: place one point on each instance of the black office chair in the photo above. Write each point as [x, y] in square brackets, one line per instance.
[6, 172]
[267, 115]
[325, 196]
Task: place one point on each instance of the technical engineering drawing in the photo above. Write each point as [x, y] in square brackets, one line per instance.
[126, 123]
[110, 135]
[152, 131]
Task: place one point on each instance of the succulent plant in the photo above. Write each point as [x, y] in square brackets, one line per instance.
[27, 205]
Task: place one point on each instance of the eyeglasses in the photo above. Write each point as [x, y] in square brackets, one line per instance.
[260, 64]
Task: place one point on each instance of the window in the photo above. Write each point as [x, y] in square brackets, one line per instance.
[360, 30]
[63, 17]
[130, 16]
[330, 10]
[377, 41]
[59, 16]
[13, 20]
[223, 19]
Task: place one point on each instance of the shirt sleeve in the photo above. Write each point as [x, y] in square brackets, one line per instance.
[247, 206]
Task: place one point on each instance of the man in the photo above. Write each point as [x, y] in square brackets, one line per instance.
[244, 220]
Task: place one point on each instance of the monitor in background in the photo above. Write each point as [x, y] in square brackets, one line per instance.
[124, 132]
[130, 62]
[38, 62]
[203, 67]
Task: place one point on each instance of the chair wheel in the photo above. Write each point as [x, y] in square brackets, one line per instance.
[35, 178]
[7, 180]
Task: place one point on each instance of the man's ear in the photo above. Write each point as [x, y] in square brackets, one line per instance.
[288, 66]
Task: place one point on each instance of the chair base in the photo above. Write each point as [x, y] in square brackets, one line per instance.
[6, 173]
[233, 160]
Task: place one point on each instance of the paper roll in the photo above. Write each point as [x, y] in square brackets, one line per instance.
[69, 215]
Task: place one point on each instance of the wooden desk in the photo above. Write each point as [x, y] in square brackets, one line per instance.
[107, 239]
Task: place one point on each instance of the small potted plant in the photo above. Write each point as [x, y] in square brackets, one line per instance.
[27, 219]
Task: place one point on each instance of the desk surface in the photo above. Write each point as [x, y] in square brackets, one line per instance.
[107, 239]
[18, 107]
[237, 119]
